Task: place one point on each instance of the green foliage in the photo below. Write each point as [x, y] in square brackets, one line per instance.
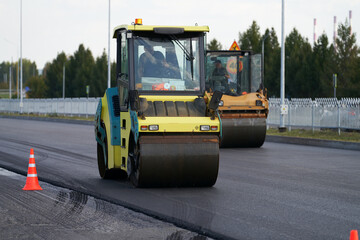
[347, 60]
[251, 38]
[272, 63]
[299, 75]
[324, 64]
[80, 73]
[99, 82]
[37, 87]
[53, 74]
[29, 70]
[214, 45]
[308, 70]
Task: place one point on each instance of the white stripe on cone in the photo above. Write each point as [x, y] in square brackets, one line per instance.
[32, 175]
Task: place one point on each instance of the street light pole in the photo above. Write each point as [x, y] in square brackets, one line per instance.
[10, 79]
[21, 70]
[283, 110]
[109, 70]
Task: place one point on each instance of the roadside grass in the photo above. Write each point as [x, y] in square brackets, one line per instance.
[324, 134]
[4, 95]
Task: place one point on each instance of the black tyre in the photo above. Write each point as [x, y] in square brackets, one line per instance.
[102, 166]
[134, 160]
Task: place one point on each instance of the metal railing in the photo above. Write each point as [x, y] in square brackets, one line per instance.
[318, 113]
[302, 112]
[60, 106]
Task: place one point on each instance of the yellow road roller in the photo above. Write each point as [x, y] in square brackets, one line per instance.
[156, 127]
[244, 107]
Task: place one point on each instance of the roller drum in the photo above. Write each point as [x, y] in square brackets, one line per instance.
[243, 132]
[177, 161]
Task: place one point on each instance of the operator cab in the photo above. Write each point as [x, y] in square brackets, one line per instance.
[233, 72]
[158, 58]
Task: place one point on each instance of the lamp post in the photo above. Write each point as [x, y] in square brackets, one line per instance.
[21, 70]
[10, 79]
[109, 70]
[283, 107]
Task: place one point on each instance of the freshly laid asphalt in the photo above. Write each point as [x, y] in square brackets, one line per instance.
[279, 191]
[58, 213]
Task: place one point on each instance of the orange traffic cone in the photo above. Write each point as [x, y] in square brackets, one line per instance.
[32, 182]
[354, 235]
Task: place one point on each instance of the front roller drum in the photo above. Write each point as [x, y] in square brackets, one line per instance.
[182, 161]
[243, 132]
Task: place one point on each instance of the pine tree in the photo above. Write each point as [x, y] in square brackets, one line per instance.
[251, 38]
[214, 45]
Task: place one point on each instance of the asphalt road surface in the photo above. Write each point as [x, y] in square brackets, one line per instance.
[279, 191]
[58, 213]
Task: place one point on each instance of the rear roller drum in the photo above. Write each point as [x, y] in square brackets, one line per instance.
[243, 132]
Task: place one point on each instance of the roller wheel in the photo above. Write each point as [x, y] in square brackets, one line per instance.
[134, 161]
[102, 166]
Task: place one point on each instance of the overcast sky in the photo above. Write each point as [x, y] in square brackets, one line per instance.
[53, 26]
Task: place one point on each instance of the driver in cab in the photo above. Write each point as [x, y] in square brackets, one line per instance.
[219, 70]
[220, 77]
[150, 62]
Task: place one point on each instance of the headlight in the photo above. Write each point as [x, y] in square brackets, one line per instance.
[258, 103]
[153, 127]
[204, 127]
[221, 103]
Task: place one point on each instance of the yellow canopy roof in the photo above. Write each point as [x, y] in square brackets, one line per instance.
[151, 28]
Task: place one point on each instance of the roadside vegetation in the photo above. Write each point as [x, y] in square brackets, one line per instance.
[324, 134]
[309, 67]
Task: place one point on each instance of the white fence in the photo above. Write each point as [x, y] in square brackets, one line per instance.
[302, 112]
[318, 113]
[66, 106]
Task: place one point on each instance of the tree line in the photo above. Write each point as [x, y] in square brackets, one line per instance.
[308, 69]
[81, 70]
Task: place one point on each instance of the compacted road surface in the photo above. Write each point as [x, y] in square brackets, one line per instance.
[279, 191]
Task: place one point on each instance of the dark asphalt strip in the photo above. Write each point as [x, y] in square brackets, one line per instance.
[177, 222]
[58, 213]
[269, 138]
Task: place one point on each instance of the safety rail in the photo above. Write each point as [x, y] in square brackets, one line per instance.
[60, 106]
[302, 112]
[318, 113]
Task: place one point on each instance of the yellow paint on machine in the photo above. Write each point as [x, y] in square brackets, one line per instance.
[243, 102]
[124, 133]
[114, 152]
[150, 28]
[179, 124]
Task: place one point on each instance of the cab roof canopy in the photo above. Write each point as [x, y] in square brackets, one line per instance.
[161, 29]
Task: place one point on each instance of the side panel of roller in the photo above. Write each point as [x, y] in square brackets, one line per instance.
[110, 115]
[243, 132]
[125, 132]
